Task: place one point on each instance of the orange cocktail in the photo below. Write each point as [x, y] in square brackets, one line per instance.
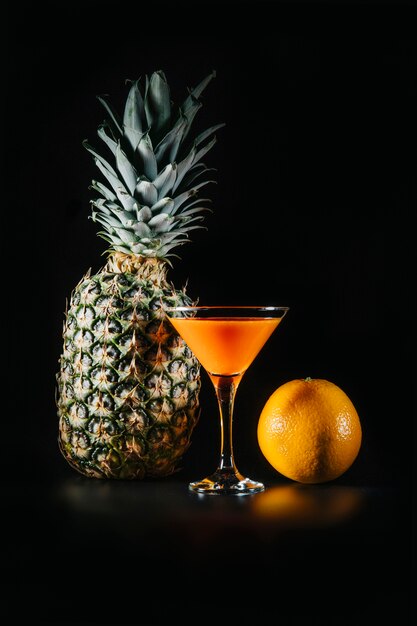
[225, 346]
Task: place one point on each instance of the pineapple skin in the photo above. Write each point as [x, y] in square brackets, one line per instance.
[128, 385]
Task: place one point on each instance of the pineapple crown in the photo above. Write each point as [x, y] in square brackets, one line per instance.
[153, 170]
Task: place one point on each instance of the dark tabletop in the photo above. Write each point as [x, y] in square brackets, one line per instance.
[151, 552]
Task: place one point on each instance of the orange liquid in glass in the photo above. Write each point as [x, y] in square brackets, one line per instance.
[225, 346]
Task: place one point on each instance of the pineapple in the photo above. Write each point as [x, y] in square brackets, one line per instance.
[128, 386]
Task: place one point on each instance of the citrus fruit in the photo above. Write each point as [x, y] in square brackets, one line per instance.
[309, 430]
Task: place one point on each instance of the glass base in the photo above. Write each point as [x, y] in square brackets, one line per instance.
[226, 482]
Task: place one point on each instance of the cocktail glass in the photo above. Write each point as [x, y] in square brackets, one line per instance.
[226, 340]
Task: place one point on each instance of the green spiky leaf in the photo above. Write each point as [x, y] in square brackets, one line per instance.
[158, 103]
[126, 169]
[114, 122]
[153, 177]
[133, 116]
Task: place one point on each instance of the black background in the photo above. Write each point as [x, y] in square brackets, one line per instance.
[313, 208]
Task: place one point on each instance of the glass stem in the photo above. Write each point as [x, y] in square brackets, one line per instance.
[226, 387]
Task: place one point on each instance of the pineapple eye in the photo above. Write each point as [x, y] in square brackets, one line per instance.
[153, 327]
[76, 298]
[161, 437]
[102, 425]
[132, 292]
[177, 367]
[80, 439]
[102, 302]
[167, 301]
[82, 383]
[94, 399]
[192, 373]
[180, 391]
[113, 327]
[111, 351]
[85, 315]
[127, 341]
[193, 401]
[132, 314]
[159, 383]
[158, 354]
[88, 337]
[108, 304]
[94, 425]
[100, 402]
[175, 341]
[125, 365]
[66, 427]
[98, 326]
[83, 339]
[124, 390]
[163, 407]
[122, 280]
[155, 304]
[79, 410]
[69, 346]
[180, 420]
[135, 420]
[103, 376]
[127, 314]
[187, 352]
[107, 401]
[134, 444]
[80, 443]
[133, 366]
[159, 330]
[101, 352]
[68, 369]
[130, 391]
[92, 287]
[133, 340]
[109, 326]
[71, 323]
[97, 351]
[109, 278]
[146, 293]
[100, 453]
[108, 457]
[68, 391]
[86, 360]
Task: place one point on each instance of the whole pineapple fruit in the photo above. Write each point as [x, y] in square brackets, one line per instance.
[128, 386]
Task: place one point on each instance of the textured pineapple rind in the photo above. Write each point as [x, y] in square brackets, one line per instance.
[128, 385]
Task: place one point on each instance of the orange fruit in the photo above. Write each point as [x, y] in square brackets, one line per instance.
[309, 431]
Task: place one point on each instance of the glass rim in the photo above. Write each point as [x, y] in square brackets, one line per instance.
[246, 307]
